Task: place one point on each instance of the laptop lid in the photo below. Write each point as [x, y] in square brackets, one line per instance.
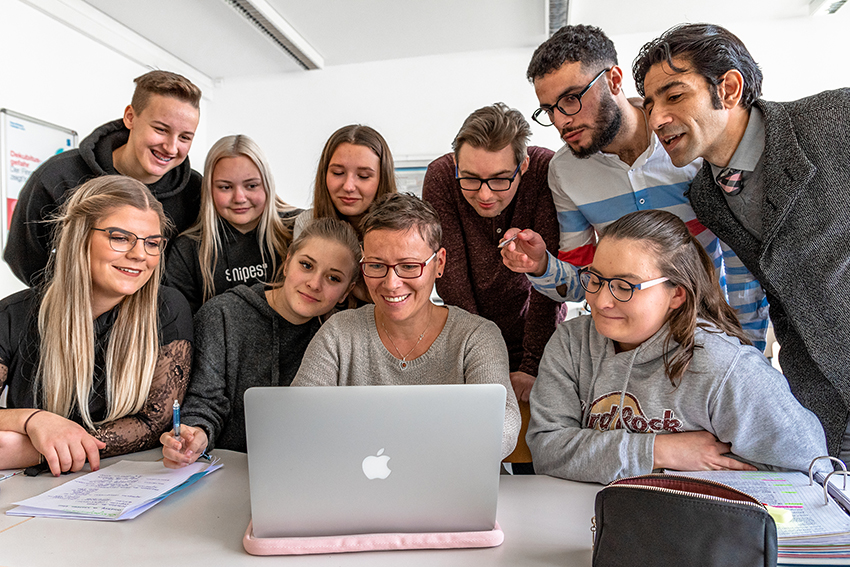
[327, 461]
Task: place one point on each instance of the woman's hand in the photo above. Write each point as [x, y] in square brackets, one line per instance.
[694, 451]
[177, 453]
[65, 445]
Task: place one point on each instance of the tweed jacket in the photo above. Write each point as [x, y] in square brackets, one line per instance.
[803, 262]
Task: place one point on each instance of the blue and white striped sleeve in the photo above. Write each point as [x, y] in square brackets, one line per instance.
[746, 296]
[558, 273]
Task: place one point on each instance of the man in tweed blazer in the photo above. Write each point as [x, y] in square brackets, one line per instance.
[775, 186]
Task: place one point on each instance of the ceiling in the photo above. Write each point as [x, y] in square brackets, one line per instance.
[212, 37]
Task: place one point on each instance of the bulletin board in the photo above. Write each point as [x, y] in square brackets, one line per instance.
[25, 143]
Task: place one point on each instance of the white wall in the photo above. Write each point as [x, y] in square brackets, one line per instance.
[798, 56]
[54, 73]
[418, 104]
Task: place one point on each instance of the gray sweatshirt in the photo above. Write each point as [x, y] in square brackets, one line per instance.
[240, 342]
[347, 351]
[577, 431]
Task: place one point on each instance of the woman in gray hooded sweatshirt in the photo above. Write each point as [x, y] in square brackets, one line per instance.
[661, 376]
[256, 336]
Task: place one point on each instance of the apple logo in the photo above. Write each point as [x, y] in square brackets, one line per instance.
[375, 466]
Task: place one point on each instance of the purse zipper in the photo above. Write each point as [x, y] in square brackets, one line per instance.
[752, 503]
[704, 496]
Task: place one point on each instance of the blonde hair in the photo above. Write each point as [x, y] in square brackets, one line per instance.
[272, 235]
[358, 135]
[65, 323]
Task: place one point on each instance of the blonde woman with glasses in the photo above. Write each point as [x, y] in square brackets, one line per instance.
[94, 360]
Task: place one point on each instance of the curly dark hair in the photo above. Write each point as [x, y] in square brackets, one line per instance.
[587, 45]
[710, 49]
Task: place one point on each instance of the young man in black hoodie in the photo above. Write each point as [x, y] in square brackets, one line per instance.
[150, 143]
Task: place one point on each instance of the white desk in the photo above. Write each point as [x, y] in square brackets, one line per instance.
[546, 522]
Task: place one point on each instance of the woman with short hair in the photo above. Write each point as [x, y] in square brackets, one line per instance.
[404, 338]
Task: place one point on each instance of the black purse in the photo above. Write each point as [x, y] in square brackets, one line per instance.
[670, 520]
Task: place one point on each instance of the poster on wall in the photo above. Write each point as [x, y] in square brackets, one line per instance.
[25, 143]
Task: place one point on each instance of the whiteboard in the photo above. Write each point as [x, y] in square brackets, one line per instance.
[25, 143]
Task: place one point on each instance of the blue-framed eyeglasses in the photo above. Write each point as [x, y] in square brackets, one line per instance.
[620, 289]
[496, 184]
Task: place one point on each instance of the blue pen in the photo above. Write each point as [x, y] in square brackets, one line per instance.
[175, 416]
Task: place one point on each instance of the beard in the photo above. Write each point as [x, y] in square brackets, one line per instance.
[605, 129]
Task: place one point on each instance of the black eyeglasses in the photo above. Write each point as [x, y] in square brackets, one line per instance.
[567, 105]
[122, 240]
[404, 270]
[496, 184]
[620, 289]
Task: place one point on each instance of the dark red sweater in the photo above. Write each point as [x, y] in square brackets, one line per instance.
[475, 278]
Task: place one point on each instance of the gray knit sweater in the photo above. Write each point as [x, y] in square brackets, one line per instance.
[347, 351]
[577, 430]
[240, 342]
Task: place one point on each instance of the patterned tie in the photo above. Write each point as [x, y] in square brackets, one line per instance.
[729, 179]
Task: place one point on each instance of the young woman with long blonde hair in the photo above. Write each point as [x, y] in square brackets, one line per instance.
[240, 236]
[94, 360]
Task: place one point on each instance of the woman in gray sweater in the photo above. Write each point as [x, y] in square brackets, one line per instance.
[404, 338]
[256, 336]
[661, 375]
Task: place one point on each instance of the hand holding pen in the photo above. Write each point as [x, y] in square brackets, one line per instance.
[524, 251]
[184, 444]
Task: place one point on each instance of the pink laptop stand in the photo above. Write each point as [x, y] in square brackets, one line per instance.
[369, 542]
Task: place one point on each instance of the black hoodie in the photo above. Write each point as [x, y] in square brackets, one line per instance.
[240, 260]
[240, 342]
[48, 187]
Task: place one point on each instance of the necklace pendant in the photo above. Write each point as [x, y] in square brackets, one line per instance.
[403, 364]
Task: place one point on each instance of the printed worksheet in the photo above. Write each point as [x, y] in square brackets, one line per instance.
[118, 492]
[791, 491]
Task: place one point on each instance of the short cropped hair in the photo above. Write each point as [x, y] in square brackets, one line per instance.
[492, 128]
[402, 212]
[583, 44]
[164, 83]
[711, 50]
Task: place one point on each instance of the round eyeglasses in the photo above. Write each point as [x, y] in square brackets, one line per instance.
[404, 270]
[122, 240]
[496, 184]
[620, 289]
[568, 104]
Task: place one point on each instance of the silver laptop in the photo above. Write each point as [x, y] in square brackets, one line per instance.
[326, 461]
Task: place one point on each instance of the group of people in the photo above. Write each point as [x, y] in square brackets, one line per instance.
[687, 220]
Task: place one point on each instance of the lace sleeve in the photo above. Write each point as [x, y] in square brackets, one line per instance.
[141, 431]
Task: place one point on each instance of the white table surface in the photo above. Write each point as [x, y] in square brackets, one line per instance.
[546, 521]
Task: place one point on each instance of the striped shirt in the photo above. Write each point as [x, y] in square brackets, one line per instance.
[591, 193]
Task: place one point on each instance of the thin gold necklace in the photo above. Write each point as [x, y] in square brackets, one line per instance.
[422, 336]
